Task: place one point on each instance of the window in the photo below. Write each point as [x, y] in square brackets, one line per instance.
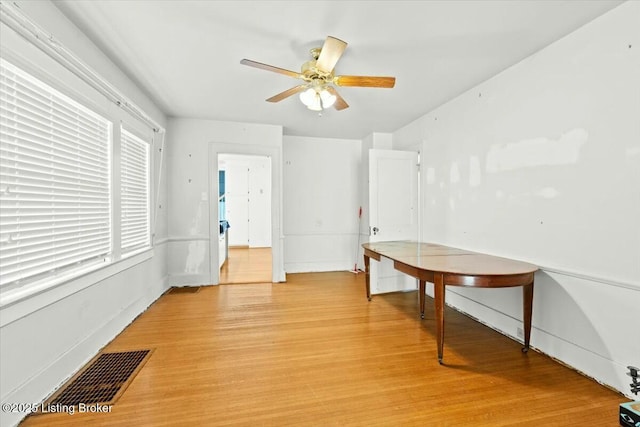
[55, 192]
[134, 187]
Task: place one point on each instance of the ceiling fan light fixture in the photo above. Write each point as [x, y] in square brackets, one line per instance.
[311, 98]
[317, 98]
[316, 105]
[308, 96]
[327, 98]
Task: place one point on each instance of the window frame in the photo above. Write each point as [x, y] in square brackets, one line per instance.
[127, 134]
[22, 300]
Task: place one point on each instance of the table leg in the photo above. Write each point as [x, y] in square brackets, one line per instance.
[527, 310]
[421, 290]
[438, 291]
[367, 277]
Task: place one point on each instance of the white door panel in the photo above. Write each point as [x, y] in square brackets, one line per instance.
[393, 211]
[237, 197]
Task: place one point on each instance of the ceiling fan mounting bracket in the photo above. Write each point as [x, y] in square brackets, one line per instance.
[315, 52]
[311, 73]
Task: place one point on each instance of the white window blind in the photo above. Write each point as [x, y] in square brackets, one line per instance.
[55, 202]
[135, 213]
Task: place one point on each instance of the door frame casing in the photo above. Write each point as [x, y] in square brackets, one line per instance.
[277, 240]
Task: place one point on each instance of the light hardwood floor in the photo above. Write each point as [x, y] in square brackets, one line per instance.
[314, 352]
[247, 265]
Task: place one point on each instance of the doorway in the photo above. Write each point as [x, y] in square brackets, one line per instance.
[244, 211]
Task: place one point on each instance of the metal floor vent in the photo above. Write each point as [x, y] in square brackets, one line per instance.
[184, 290]
[102, 381]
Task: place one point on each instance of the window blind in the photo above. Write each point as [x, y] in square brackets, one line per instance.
[134, 187]
[55, 206]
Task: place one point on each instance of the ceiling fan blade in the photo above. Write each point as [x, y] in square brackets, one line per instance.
[331, 51]
[287, 93]
[278, 70]
[340, 103]
[365, 81]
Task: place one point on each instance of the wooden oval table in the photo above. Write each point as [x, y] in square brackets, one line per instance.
[447, 266]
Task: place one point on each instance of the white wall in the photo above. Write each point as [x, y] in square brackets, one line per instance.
[321, 201]
[542, 163]
[192, 155]
[45, 338]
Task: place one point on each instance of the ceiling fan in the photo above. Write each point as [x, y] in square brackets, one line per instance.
[317, 92]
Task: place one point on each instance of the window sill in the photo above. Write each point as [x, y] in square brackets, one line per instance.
[17, 303]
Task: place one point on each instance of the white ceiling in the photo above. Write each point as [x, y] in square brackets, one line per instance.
[186, 54]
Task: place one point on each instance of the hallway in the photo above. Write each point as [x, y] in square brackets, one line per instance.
[247, 265]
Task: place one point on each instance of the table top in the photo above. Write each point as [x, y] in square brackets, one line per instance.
[445, 259]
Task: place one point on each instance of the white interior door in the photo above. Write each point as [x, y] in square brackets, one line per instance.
[393, 211]
[237, 202]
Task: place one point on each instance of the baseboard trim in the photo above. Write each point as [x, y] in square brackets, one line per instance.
[584, 361]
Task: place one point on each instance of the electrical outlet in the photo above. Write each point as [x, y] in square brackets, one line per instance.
[520, 333]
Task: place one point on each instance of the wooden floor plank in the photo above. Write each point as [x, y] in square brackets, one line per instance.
[314, 352]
